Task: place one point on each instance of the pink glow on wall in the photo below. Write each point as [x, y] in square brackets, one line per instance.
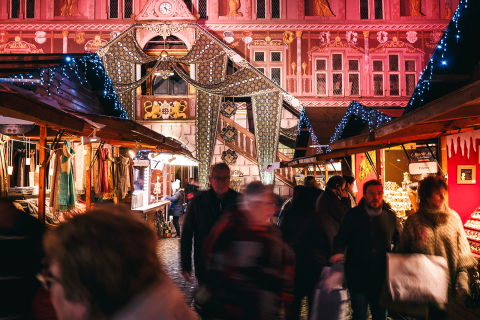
[463, 198]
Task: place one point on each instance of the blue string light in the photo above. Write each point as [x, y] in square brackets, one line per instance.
[374, 118]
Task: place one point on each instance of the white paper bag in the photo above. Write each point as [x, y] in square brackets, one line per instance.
[417, 277]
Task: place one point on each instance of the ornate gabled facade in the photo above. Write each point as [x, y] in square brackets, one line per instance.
[325, 53]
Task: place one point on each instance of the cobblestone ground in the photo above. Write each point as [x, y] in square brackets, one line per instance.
[169, 253]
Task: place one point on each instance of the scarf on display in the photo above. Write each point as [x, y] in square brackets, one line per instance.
[103, 170]
[3, 168]
[63, 193]
[122, 176]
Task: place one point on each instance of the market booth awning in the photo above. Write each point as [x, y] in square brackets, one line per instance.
[459, 110]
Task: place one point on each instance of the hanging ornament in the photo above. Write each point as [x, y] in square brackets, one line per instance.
[10, 166]
[229, 133]
[229, 157]
[228, 108]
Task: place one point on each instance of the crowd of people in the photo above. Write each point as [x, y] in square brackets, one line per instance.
[104, 264]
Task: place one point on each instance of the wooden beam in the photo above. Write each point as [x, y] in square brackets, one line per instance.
[353, 141]
[467, 95]
[443, 160]
[462, 113]
[88, 182]
[378, 164]
[449, 78]
[42, 174]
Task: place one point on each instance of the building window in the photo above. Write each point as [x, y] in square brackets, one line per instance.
[260, 9]
[276, 75]
[378, 4]
[275, 56]
[262, 70]
[364, 9]
[321, 64]
[378, 84]
[336, 61]
[394, 75]
[113, 9]
[202, 9]
[15, 9]
[410, 77]
[30, 9]
[127, 9]
[275, 9]
[171, 86]
[353, 77]
[259, 56]
[337, 84]
[377, 65]
[321, 79]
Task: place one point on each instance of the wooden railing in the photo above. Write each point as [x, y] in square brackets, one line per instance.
[245, 145]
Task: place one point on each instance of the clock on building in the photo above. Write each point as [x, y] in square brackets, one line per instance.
[165, 8]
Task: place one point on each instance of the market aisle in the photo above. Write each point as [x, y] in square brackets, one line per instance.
[169, 253]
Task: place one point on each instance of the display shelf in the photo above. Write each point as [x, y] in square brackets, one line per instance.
[472, 227]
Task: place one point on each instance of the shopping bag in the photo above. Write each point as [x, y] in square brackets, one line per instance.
[417, 278]
[330, 296]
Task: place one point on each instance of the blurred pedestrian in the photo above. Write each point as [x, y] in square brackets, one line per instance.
[287, 204]
[203, 212]
[311, 182]
[105, 266]
[191, 189]
[249, 267]
[176, 206]
[367, 232]
[349, 186]
[332, 205]
[303, 232]
[435, 229]
[20, 254]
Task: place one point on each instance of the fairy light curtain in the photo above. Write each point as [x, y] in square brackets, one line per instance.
[207, 113]
[267, 108]
[121, 56]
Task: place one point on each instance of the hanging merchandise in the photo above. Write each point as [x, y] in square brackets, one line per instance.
[79, 168]
[63, 194]
[122, 176]
[103, 170]
[10, 161]
[3, 168]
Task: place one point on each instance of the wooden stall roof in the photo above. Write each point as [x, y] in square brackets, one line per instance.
[22, 104]
[324, 120]
[127, 132]
[459, 110]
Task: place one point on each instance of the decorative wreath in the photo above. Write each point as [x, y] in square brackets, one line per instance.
[228, 108]
[229, 133]
[229, 156]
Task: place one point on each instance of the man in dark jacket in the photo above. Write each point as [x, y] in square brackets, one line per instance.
[367, 232]
[202, 214]
[176, 206]
[303, 232]
[332, 205]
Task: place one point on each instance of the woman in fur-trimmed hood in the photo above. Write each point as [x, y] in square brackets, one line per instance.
[435, 229]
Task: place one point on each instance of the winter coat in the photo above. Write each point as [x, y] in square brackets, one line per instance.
[440, 232]
[202, 214]
[176, 208]
[304, 233]
[163, 301]
[367, 240]
[331, 211]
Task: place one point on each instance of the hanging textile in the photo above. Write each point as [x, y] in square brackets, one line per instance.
[122, 176]
[21, 176]
[3, 168]
[63, 194]
[207, 113]
[79, 163]
[103, 170]
[266, 116]
[51, 170]
[110, 172]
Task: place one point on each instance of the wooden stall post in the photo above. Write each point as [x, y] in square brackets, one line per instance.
[116, 152]
[443, 160]
[326, 171]
[42, 174]
[88, 183]
[314, 172]
[305, 171]
[378, 154]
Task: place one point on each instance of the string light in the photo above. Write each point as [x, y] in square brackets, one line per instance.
[91, 71]
[444, 61]
[303, 123]
[374, 118]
